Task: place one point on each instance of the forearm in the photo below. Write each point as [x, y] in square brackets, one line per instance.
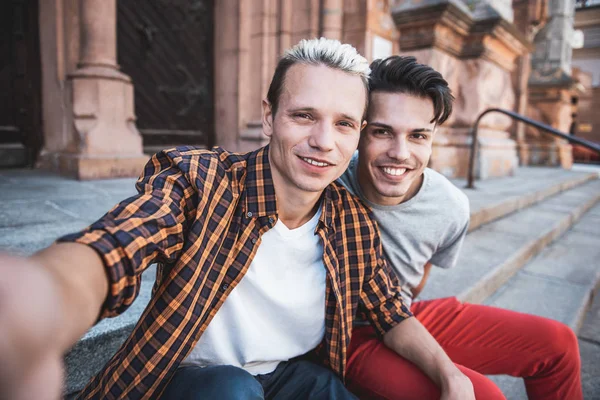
[413, 342]
[417, 290]
[77, 273]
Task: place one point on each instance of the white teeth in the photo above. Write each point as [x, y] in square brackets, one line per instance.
[394, 171]
[313, 162]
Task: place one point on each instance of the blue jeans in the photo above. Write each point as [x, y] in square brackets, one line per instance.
[298, 379]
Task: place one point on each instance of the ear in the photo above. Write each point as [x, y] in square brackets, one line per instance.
[267, 118]
[363, 125]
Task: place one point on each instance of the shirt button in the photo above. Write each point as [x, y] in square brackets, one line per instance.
[249, 214]
[254, 240]
[224, 286]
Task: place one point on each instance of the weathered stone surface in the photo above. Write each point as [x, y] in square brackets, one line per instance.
[590, 226]
[28, 212]
[512, 388]
[479, 256]
[486, 9]
[494, 252]
[497, 197]
[573, 258]
[590, 369]
[559, 300]
[561, 280]
[28, 239]
[590, 330]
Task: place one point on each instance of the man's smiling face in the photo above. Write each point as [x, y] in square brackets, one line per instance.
[395, 147]
[316, 127]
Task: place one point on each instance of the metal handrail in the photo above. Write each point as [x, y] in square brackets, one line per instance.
[579, 4]
[529, 121]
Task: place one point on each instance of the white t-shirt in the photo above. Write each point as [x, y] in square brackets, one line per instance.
[431, 226]
[277, 311]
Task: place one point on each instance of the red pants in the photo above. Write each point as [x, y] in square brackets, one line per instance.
[480, 340]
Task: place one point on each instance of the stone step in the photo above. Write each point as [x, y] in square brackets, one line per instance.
[562, 280]
[496, 251]
[495, 198]
[589, 348]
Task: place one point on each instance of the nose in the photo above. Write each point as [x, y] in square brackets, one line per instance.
[322, 137]
[399, 149]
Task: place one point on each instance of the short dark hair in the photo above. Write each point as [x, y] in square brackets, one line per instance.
[405, 75]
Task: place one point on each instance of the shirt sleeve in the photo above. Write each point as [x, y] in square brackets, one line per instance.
[447, 255]
[381, 297]
[141, 230]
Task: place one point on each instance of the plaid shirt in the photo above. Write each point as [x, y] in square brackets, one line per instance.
[200, 215]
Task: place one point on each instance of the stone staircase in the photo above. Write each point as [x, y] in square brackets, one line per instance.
[533, 241]
[533, 247]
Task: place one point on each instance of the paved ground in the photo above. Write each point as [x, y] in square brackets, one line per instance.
[37, 207]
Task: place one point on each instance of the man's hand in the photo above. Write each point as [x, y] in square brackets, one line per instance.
[457, 386]
[31, 356]
[412, 341]
[47, 302]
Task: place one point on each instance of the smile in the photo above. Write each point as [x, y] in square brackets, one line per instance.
[315, 162]
[393, 171]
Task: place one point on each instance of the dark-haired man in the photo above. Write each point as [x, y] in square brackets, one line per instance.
[423, 220]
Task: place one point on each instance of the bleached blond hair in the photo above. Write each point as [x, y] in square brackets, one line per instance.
[328, 52]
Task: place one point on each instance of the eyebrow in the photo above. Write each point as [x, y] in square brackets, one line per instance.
[389, 127]
[312, 109]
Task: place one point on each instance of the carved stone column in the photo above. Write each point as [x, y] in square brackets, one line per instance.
[332, 18]
[106, 143]
[530, 17]
[474, 46]
[551, 88]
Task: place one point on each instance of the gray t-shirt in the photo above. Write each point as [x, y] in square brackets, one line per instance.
[431, 226]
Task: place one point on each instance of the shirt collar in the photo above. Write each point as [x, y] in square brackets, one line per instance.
[259, 190]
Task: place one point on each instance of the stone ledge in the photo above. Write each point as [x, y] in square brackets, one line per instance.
[495, 252]
[562, 294]
[513, 200]
[94, 167]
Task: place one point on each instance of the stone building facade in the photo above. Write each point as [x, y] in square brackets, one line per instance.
[586, 65]
[97, 85]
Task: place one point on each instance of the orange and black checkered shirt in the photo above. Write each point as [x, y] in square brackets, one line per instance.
[200, 215]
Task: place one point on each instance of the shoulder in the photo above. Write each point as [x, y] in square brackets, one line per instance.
[195, 160]
[449, 197]
[351, 212]
[200, 168]
[348, 178]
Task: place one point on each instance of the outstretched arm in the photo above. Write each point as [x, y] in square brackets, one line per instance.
[47, 301]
